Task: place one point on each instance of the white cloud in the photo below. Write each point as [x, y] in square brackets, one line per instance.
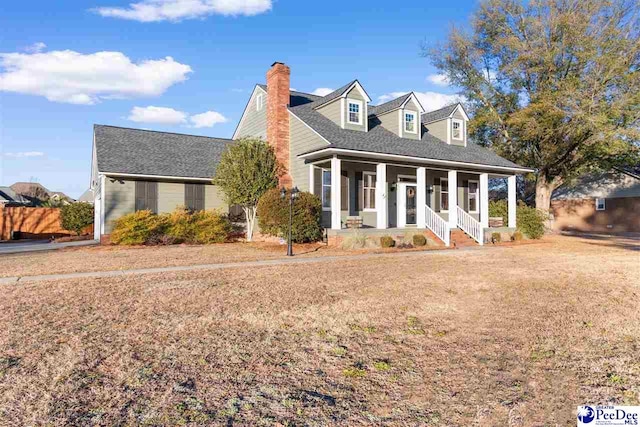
[36, 47]
[162, 115]
[429, 100]
[176, 10]
[207, 119]
[438, 79]
[170, 116]
[25, 154]
[322, 91]
[76, 78]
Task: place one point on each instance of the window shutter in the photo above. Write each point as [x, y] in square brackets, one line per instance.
[360, 187]
[188, 196]
[141, 195]
[199, 197]
[152, 196]
[317, 182]
[344, 191]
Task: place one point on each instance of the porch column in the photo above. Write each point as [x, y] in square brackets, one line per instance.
[511, 202]
[453, 199]
[312, 179]
[421, 197]
[484, 200]
[381, 196]
[335, 193]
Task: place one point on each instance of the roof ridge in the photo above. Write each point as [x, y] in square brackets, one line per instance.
[394, 99]
[296, 91]
[160, 131]
[442, 108]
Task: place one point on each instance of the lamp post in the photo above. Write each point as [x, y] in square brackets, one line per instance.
[292, 195]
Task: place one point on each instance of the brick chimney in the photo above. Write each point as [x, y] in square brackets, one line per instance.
[278, 81]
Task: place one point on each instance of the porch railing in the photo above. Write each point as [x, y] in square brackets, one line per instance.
[469, 225]
[439, 226]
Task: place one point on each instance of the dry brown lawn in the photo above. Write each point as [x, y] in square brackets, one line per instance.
[509, 336]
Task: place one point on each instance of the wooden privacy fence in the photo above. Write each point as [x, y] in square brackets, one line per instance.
[32, 223]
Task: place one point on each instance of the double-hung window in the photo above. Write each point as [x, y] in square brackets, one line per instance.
[410, 122]
[444, 195]
[326, 190]
[473, 196]
[456, 129]
[369, 189]
[600, 204]
[354, 115]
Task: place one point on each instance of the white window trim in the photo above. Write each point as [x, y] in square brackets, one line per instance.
[259, 101]
[364, 188]
[477, 193]
[443, 180]
[415, 121]
[604, 204]
[461, 122]
[360, 111]
[322, 185]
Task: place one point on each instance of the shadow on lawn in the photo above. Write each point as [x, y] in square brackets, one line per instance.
[629, 241]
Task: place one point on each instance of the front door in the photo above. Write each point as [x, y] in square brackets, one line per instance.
[407, 204]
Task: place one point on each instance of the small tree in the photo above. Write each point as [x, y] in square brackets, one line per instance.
[247, 169]
[76, 216]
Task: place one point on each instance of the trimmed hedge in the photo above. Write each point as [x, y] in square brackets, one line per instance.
[76, 216]
[419, 240]
[273, 216]
[180, 226]
[387, 242]
[530, 221]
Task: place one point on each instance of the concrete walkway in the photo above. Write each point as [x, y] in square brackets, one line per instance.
[246, 264]
[39, 245]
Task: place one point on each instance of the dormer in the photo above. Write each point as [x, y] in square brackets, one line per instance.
[448, 124]
[347, 107]
[401, 116]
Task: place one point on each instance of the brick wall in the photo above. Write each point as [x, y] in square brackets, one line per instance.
[278, 81]
[620, 215]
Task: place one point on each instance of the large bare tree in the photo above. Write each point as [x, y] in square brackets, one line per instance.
[552, 84]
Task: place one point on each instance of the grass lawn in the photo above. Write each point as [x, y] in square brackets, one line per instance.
[508, 336]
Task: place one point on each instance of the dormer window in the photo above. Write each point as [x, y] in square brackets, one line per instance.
[355, 112]
[410, 122]
[456, 129]
[259, 101]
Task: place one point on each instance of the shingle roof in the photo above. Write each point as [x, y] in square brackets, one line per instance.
[388, 106]
[144, 152]
[379, 140]
[7, 195]
[333, 95]
[87, 196]
[296, 97]
[30, 188]
[439, 114]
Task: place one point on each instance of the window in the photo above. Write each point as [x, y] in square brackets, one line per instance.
[410, 122]
[369, 190]
[600, 204]
[326, 190]
[146, 196]
[194, 197]
[444, 195]
[259, 101]
[355, 112]
[473, 196]
[456, 132]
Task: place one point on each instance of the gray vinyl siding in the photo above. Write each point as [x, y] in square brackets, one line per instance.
[433, 178]
[302, 139]
[332, 111]
[609, 185]
[214, 199]
[458, 115]
[170, 196]
[119, 200]
[355, 94]
[255, 122]
[438, 129]
[389, 121]
[411, 106]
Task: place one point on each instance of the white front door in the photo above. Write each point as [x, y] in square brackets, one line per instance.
[407, 197]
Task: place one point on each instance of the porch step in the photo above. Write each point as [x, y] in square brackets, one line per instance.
[460, 239]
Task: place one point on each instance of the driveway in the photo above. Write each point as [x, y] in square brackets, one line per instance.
[39, 245]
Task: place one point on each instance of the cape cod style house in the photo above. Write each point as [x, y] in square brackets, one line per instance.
[389, 166]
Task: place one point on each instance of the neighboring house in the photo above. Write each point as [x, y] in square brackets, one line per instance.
[59, 196]
[87, 197]
[602, 202]
[392, 165]
[35, 192]
[8, 197]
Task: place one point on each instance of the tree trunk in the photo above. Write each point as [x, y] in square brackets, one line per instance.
[544, 189]
[250, 215]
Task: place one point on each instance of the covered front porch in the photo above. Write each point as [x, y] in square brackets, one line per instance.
[377, 195]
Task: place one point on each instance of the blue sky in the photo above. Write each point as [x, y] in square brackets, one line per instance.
[67, 65]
